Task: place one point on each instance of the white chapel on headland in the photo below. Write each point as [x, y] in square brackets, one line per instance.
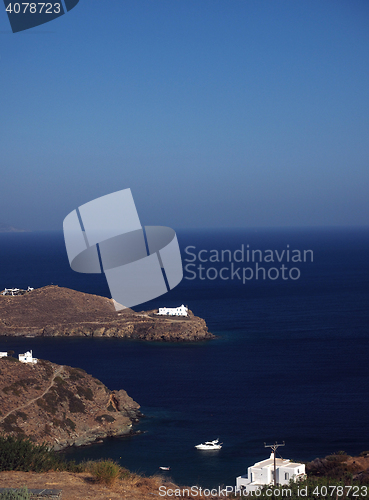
[262, 474]
[173, 311]
[27, 358]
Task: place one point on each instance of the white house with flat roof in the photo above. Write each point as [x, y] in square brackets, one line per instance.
[3, 354]
[173, 311]
[262, 473]
[16, 291]
[27, 358]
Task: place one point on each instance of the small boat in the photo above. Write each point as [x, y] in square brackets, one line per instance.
[209, 445]
[164, 468]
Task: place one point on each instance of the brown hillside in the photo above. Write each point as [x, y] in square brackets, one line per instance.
[340, 466]
[53, 304]
[60, 405]
[56, 311]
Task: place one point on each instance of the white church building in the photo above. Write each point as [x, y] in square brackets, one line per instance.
[173, 311]
[27, 358]
[262, 474]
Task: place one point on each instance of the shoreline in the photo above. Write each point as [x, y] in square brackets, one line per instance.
[61, 405]
[54, 311]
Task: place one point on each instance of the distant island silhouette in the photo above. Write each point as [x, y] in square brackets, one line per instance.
[7, 228]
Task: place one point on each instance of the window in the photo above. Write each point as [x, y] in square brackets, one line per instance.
[286, 475]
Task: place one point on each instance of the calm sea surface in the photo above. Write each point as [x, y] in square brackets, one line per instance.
[290, 361]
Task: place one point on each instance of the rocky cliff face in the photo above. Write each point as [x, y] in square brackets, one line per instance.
[53, 311]
[60, 405]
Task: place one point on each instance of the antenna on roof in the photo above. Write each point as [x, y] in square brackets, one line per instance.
[274, 448]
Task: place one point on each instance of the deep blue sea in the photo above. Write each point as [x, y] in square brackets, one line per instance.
[290, 362]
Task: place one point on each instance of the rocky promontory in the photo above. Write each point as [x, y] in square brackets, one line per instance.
[54, 311]
[60, 405]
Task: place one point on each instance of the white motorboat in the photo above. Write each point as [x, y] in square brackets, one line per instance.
[164, 468]
[209, 445]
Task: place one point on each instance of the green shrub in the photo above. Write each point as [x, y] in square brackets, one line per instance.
[56, 395]
[339, 457]
[85, 393]
[48, 402]
[68, 422]
[47, 367]
[9, 424]
[76, 374]
[76, 405]
[104, 471]
[9, 358]
[12, 388]
[61, 391]
[22, 415]
[19, 453]
[18, 494]
[108, 418]
[125, 473]
[111, 407]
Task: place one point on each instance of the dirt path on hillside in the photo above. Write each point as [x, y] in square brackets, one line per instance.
[55, 374]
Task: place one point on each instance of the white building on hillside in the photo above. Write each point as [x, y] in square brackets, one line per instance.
[173, 311]
[3, 354]
[27, 358]
[262, 473]
[11, 291]
[16, 291]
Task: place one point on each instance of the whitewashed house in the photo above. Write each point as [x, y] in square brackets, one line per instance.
[262, 473]
[27, 358]
[3, 354]
[16, 291]
[11, 291]
[173, 311]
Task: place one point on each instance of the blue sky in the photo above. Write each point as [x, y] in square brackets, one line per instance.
[215, 113]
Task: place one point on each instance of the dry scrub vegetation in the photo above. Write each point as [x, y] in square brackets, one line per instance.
[23, 463]
[85, 486]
